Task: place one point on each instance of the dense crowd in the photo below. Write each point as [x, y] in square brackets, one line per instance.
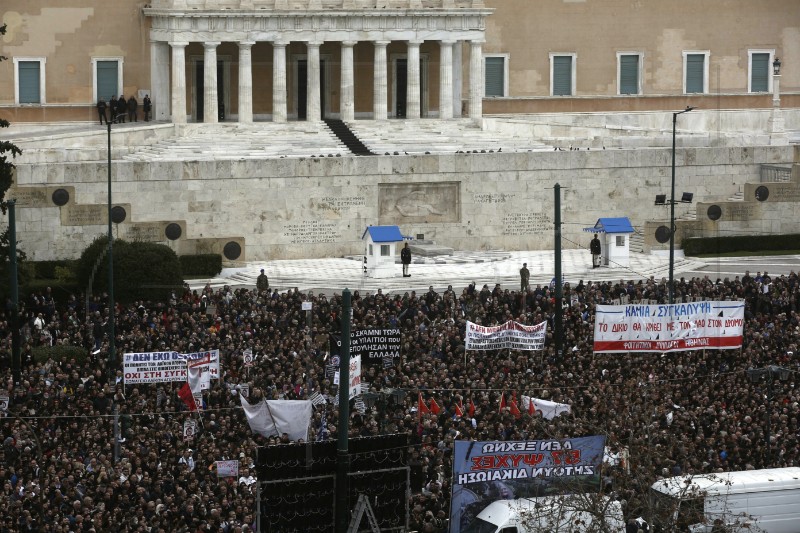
[63, 470]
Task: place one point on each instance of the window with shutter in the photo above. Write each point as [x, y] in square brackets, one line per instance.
[29, 79]
[495, 72]
[107, 78]
[629, 74]
[759, 72]
[695, 73]
[562, 75]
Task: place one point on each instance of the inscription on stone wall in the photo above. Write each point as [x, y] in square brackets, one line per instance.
[311, 232]
[740, 212]
[30, 197]
[788, 192]
[338, 203]
[84, 215]
[492, 198]
[145, 232]
[526, 223]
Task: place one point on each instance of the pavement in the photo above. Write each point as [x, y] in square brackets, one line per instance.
[486, 267]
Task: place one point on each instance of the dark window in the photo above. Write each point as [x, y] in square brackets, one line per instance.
[495, 76]
[29, 82]
[629, 74]
[759, 73]
[695, 73]
[562, 75]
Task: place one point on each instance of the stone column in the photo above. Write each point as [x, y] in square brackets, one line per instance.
[412, 87]
[347, 93]
[446, 80]
[159, 80]
[179, 82]
[476, 80]
[379, 92]
[313, 106]
[246, 82]
[457, 78]
[279, 81]
[210, 107]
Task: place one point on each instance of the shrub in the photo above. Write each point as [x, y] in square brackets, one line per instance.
[739, 243]
[201, 265]
[142, 270]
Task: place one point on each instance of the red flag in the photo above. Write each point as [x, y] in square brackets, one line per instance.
[471, 408]
[502, 401]
[531, 407]
[459, 411]
[185, 394]
[421, 407]
[435, 409]
[514, 409]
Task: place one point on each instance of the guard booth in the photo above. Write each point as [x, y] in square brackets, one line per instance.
[380, 248]
[614, 235]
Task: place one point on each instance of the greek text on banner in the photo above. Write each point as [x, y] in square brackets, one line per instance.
[667, 328]
[160, 367]
[511, 335]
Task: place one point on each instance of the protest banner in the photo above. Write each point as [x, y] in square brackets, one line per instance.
[484, 472]
[509, 336]
[372, 344]
[547, 409]
[161, 367]
[247, 356]
[667, 328]
[189, 429]
[355, 376]
[227, 468]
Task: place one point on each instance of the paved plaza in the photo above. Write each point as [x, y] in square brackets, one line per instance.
[490, 267]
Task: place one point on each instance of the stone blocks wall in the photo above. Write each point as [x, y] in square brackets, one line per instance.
[319, 207]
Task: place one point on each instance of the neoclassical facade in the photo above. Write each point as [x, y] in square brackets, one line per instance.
[321, 46]
[303, 59]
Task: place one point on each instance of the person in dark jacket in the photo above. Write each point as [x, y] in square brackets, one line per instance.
[147, 105]
[122, 109]
[132, 107]
[596, 249]
[101, 111]
[112, 109]
[405, 258]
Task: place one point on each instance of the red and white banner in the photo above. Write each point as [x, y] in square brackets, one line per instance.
[160, 367]
[668, 328]
[509, 336]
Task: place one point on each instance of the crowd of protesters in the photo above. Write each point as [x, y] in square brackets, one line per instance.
[63, 470]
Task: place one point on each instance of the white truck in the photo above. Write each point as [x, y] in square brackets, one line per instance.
[550, 514]
[753, 500]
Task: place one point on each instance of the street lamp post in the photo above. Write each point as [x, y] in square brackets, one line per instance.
[770, 373]
[672, 211]
[777, 132]
[111, 314]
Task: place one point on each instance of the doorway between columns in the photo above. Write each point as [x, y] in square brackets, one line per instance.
[400, 85]
[198, 86]
[300, 68]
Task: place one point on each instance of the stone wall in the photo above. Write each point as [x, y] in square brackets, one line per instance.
[319, 207]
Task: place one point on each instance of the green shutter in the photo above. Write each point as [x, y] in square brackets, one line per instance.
[695, 73]
[759, 73]
[629, 74]
[107, 76]
[562, 75]
[495, 76]
[29, 86]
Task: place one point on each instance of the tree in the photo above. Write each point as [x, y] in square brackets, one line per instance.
[7, 151]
